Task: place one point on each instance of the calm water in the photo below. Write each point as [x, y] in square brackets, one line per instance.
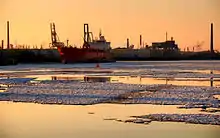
[24, 120]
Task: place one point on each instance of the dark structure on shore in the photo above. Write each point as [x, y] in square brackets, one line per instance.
[167, 45]
[211, 41]
[128, 43]
[140, 41]
[2, 47]
[8, 35]
[165, 50]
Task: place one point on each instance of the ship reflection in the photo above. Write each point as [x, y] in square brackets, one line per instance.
[144, 80]
[85, 78]
[96, 79]
[64, 78]
[211, 78]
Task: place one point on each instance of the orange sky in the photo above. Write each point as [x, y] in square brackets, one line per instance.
[188, 21]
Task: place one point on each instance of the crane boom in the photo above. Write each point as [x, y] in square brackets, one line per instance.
[54, 37]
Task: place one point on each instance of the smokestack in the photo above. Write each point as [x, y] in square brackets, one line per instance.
[166, 36]
[127, 43]
[2, 44]
[140, 41]
[8, 36]
[211, 41]
[67, 42]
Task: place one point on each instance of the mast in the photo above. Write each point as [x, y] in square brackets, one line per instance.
[100, 33]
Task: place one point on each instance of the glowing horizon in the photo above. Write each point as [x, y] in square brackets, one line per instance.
[187, 21]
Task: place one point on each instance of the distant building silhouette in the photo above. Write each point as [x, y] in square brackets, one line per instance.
[167, 45]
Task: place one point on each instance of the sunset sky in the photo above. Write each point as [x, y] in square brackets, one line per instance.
[188, 21]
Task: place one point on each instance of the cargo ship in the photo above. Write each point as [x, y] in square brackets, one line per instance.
[92, 51]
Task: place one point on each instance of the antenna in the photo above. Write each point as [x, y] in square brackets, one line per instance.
[100, 33]
[67, 42]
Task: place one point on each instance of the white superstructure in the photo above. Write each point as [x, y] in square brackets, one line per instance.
[100, 43]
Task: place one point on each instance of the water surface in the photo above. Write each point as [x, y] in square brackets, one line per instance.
[22, 120]
[28, 120]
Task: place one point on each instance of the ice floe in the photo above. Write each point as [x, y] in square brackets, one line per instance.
[75, 92]
[187, 118]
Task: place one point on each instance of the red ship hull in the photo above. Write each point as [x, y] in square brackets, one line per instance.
[86, 55]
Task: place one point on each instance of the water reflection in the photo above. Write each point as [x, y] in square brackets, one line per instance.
[3, 87]
[66, 77]
[217, 96]
[173, 81]
[83, 78]
[211, 78]
[215, 82]
[58, 121]
[96, 79]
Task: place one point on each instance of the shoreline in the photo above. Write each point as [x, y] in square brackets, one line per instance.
[46, 56]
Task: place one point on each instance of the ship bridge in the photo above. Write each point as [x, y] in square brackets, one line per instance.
[100, 43]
